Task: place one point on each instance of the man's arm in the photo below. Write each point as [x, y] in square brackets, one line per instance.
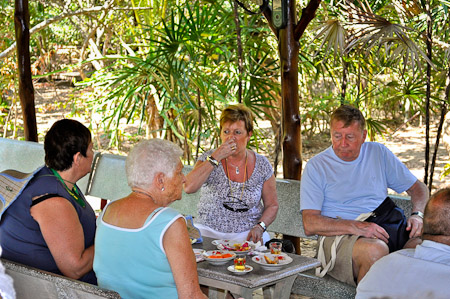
[419, 198]
[316, 224]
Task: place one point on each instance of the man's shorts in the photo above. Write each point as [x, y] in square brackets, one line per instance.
[343, 268]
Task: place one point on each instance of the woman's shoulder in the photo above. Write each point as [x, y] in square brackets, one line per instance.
[261, 157]
[262, 160]
[170, 211]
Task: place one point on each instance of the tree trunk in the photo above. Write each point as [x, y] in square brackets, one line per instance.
[240, 54]
[26, 90]
[291, 137]
[428, 95]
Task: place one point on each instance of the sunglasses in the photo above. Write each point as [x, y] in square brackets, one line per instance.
[234, 206]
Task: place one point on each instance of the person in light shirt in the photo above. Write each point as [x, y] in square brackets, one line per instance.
[351, 178]
[142, 246]
[422, 272]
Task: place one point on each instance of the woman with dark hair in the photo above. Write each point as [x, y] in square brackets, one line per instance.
[50, 225]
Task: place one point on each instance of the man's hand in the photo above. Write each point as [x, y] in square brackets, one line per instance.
[415, 225]
[371, 230]
[315, 223]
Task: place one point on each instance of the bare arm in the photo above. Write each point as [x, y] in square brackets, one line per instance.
[202, 169]
[182, 260]
[270, 200]
[63, 233]
[316, 224]
[419, 198]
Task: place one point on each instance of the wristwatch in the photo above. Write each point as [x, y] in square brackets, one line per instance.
[263, 225]
[213, 161]
[418, 213]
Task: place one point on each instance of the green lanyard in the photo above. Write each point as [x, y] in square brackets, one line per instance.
[74, 193]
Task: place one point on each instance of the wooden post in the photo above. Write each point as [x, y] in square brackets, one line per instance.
[288, 43]
[291, 137]
[26, 90]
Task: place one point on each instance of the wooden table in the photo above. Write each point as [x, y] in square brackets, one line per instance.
[275, 284]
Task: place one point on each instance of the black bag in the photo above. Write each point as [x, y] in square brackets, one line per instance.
[393, 220]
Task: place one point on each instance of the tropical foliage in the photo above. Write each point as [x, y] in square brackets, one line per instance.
[170, 66]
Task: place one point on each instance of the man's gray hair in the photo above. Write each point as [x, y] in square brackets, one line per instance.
[148, 158]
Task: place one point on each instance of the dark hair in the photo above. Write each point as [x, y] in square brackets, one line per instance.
[64, 139]
[235, 113]
[348, 114]
[436, 219]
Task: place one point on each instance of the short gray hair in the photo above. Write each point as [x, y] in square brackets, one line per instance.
[149, 157]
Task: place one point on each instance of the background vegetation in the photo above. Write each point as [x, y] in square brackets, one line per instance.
[170, 66]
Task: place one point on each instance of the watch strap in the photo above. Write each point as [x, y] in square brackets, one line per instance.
[213, 161]
[263, 225]
[418, 213]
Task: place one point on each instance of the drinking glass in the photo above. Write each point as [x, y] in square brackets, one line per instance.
[239, 262]
[275, 247]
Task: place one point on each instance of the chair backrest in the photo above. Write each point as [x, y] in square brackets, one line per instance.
[24, 156]
[289, 219]
[109, 180]
[188, 203]
[27, 156]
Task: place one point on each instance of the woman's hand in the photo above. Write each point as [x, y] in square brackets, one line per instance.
[255, 234]
[225, 150]
[202, 169]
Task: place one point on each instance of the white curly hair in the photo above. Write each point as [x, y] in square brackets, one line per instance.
[149, 157]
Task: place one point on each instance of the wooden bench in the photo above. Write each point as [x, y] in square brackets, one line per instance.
[108, 182]
[30, 282]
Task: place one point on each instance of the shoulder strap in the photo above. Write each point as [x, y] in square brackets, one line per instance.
[42, 198]
[12, 183]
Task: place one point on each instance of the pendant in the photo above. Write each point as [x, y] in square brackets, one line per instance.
[237, 170]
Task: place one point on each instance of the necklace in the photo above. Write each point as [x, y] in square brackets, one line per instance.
[229, 181]
[146, 194]
[237, 167]
[74, 192]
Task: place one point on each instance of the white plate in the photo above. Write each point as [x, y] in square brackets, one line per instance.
[218, 261]
[198, 254]
[230, 245]
[247, 269]
[259, 259]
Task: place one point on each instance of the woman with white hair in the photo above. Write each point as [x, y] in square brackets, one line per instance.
[142, 247]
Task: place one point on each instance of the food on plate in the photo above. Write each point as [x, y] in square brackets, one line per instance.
[219, 255]
[270, 261]
[237, 246]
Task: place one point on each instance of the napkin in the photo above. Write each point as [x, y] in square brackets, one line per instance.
[257, 247]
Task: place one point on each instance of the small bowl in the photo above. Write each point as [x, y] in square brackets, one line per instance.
[218, 261]
[234, 271]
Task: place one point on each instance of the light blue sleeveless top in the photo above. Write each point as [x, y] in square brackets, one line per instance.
[133, 262]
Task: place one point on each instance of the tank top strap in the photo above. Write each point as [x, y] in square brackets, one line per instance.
[152, 214]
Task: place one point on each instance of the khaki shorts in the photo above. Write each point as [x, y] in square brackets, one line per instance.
[343, 269]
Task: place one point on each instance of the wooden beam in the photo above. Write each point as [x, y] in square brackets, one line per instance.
[26, 90]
